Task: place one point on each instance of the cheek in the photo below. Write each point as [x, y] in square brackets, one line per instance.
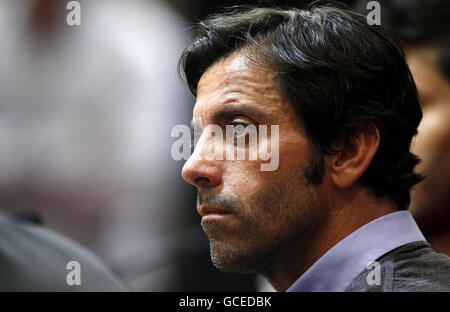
[244, 179]
[293, 156]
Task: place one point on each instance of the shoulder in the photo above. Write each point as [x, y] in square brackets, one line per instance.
[411, 267]
[35, 258]
[418, 267]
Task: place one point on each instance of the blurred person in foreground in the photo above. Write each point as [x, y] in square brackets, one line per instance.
[424, 28]
[33, 258]
[347, 109]
[85, 119]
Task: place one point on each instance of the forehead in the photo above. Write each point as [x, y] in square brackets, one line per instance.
[234, 79]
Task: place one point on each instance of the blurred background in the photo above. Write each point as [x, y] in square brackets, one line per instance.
[85, 119]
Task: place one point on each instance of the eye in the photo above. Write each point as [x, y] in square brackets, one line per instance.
[239, 128]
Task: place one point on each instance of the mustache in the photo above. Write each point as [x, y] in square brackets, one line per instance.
[225, 201]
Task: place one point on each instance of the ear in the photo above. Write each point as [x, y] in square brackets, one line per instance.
[354, 156]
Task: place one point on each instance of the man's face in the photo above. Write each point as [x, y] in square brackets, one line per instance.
[432, 143]
[261, 212]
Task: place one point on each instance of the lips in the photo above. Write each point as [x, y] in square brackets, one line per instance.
[208, 212]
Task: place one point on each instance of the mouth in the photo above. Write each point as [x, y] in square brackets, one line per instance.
[212, 213]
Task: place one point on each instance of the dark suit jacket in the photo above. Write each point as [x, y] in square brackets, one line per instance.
[411, 267]
[33, 258]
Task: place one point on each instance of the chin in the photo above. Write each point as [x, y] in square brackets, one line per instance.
[232, 260]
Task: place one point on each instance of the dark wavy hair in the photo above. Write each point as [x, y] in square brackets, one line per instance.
[336, 70]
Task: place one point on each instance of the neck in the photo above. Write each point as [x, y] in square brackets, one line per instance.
[349, 212]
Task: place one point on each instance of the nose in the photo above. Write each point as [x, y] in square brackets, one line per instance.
[199, 171]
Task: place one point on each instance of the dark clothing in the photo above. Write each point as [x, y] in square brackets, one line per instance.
[33, 258]
[412, 267]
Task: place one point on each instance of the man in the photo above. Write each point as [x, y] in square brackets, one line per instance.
[347, 109]
[424, 28]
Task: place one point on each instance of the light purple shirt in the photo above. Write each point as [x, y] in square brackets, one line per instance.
[336, 269]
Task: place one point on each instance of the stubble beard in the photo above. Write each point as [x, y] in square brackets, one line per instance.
[282, 216]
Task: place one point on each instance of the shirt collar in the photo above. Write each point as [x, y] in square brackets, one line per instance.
[335, 270]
